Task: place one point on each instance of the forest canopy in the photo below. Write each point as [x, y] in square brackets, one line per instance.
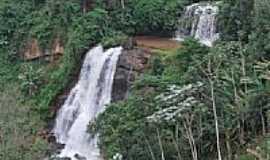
[192, 103]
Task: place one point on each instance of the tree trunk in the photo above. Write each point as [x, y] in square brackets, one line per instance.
[86, 5]
[175, 142]
[123, 4]
[215, 117]
[242, 129]
[263, 122]
[192, 143]
[160, 145]
[150, 149]
[268, 121]
[228, 145]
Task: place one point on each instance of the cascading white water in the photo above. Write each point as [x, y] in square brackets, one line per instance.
[86, 100]
[199, 21]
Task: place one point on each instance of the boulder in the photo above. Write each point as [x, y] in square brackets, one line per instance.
[78, 157]
[134, 59]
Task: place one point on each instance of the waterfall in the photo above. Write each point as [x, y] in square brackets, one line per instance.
[85, 101]
[200, 22]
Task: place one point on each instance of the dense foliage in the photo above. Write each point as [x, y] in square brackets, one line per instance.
[151, 16]
[204, 103]
[19, 138]
[180, 123]
[45, 20]
[194, 103]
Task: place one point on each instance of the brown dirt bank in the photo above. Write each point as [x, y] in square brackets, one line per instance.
[154, 42]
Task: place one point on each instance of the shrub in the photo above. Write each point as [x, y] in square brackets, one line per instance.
[30, 79]
[114, 39]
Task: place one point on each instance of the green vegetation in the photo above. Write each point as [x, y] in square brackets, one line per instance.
[19, 138]
[204, 103]
[177, 120]
[194, 103]
[39, 82]
[150, 16]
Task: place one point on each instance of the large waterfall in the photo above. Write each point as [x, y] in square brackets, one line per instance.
[86, 100]
[200, 22]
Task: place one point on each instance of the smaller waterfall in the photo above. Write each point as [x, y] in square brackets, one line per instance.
[86, 100]
[200, 22]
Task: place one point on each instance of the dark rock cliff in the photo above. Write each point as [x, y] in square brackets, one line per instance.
[132, 62]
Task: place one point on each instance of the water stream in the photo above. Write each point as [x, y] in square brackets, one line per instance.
[200, 22]
[85, 101]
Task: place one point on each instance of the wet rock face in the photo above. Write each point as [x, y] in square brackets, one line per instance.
[78, 157]
[132, 62]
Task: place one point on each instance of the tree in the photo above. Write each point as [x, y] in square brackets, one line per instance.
[261, 30]
[87, 5]
[235, 19]
[179, 106]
